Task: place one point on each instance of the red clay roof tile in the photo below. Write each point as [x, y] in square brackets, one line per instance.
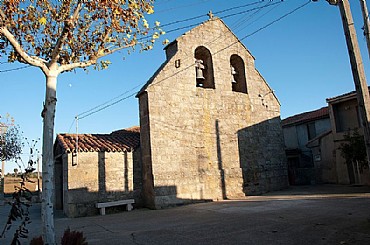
[343, 95]
[306, 117]
[118, 141]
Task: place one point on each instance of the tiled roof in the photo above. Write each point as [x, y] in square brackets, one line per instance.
[118, 141]
[343, 96]
[306, 117]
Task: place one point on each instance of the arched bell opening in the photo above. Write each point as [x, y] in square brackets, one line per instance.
[204, 68]
[237, 72]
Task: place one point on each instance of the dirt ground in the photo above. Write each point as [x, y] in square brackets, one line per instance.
[11, 182]
[304, 215]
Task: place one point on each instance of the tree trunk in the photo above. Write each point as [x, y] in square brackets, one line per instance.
[47, 209]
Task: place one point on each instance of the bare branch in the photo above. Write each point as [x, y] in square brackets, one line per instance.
[2, 15]
[104, 39]
[72, 66]
[17, 47]
[39, 59]
[117, 49]
[106, 36]
[68, 26]
[92, 61]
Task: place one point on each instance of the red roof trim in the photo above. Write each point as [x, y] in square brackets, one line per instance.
[124, 140]
[306, 117]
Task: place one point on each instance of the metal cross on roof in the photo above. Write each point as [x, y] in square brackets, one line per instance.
[210, 15]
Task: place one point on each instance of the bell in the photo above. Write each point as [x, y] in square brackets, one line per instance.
[233, 72]
[199, 69]
[200, 73]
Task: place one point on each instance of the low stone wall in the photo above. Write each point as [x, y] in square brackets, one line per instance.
[99, 177]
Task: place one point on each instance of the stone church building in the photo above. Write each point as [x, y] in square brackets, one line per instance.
[210, 129]
[209, 123]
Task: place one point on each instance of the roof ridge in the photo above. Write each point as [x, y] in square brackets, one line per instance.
[307, 116]
[124, 140]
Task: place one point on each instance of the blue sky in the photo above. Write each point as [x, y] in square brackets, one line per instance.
[303, 57]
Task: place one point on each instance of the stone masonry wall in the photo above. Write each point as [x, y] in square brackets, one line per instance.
[97, 177]
[209, 144]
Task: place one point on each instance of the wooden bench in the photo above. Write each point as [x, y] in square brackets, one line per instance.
[103, 205]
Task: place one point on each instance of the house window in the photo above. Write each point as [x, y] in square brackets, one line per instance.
[311, 131]
[204, 68]
[346, 115]
[237, 71]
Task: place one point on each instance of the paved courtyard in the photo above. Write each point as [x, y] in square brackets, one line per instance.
[321, 214]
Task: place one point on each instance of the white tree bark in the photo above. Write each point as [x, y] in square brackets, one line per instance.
[47, 206]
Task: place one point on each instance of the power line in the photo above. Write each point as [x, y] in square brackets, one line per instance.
[107, 104]
[183, 6]
[81, 115]
[184, 27]
[162, 2]
[201, 16]
[223, 17]
[249, 35]
[276, 20]
[249, 10]
[250, 23]
[70, 127]
[110, 102]
[15, 69]
[236, 7]
[244, 19]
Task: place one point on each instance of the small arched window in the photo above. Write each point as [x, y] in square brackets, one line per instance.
[204, 68]
[237, 71]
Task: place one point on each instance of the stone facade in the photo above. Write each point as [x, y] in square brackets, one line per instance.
[330, 165]
[98, 173]
[214, 138]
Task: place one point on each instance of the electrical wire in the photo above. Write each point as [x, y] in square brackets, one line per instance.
[114, 100]
[201, 16]
[73, 122]
[188, 26]
[222, 17]
[182, 7]
[109, 105]
[249, 10]
[81, 115]
[276, 20]
[15, 69]
[236, 7]
[106, 105]
[250, 23]
[244, 19]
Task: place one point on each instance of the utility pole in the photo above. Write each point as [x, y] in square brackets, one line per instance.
[358, 73]
[365, 15]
